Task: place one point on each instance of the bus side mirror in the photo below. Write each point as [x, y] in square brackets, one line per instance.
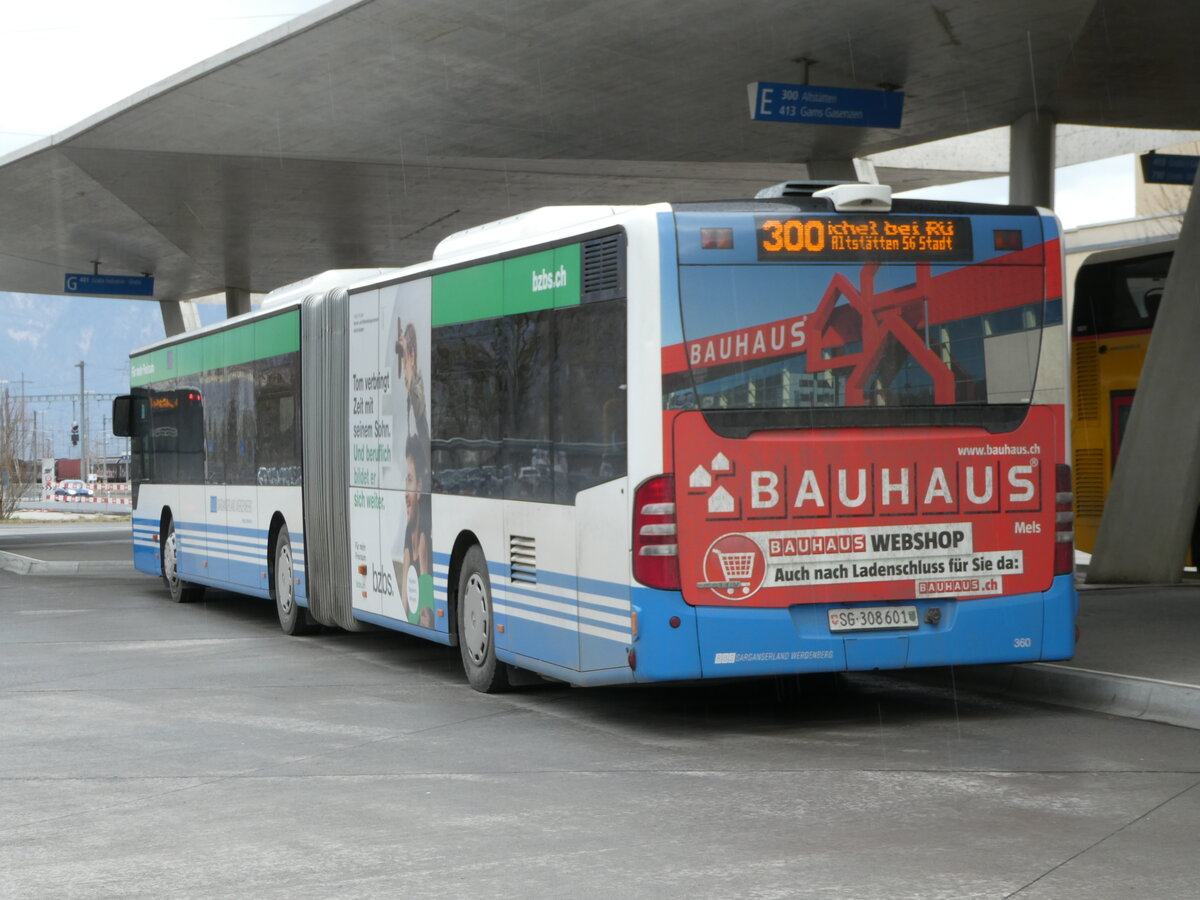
[122, 416]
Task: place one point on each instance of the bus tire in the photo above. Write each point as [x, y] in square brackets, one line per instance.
[181, 591]
[476, 626]
[293, 618]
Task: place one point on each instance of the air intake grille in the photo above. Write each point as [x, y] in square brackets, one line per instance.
[522, 559]
[1087, 381]
[604, 268]
[1089, 483]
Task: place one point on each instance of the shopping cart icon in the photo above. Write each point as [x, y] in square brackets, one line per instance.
[737, 567]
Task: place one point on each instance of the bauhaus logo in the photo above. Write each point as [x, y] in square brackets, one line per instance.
[800, 492]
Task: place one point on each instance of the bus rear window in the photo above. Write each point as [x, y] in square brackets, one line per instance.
[858, 335]
[1119, 295]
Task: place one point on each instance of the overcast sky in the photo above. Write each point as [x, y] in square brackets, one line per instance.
[74, 58]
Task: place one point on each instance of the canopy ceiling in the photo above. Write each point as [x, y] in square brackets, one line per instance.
[361, 134]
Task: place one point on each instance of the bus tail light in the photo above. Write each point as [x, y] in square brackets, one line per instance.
[1064, 521]
[655, 541]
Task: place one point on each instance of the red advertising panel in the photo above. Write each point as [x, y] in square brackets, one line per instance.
[832, 515]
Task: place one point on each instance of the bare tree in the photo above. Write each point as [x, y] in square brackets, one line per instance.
[16, 475]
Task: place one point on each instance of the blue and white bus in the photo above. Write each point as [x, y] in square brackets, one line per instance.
[815, 431]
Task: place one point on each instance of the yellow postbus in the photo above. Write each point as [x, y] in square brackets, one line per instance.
[1116, 299]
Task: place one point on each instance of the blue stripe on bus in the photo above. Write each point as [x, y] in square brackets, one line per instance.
[296, 537]
[738, 642]
[225, 552]
[388, 622]
[572, 630]
[145, 559]
[571, 582]
[238, 552]
[553, 640]
[520, 588]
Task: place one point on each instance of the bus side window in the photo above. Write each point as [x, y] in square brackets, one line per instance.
[469, 360]
[530, 406]
[589, 397]
[276, 421]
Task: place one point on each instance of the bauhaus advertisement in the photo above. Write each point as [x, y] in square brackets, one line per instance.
[817, 517]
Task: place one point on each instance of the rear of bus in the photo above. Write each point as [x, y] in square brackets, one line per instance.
[863, 432]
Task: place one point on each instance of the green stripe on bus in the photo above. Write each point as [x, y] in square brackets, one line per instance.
[536, 281]
[260, 339]
[467, 294]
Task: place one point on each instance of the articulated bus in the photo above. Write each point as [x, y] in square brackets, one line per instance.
[820, 430]
[1115, 301]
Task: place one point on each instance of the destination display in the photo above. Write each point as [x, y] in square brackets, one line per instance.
[850, 238]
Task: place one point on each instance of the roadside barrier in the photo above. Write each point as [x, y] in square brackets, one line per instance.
[102, 492]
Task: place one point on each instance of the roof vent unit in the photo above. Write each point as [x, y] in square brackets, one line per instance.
[858, 197]
[794, 189]
[515, 228]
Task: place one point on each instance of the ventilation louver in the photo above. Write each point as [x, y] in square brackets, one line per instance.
[603, 268]
[522, 559]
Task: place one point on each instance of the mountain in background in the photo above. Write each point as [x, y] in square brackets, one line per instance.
[42, 338]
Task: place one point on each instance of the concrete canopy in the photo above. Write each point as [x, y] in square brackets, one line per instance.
[361, 134]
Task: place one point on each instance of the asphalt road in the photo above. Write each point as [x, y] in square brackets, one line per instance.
[149, 749]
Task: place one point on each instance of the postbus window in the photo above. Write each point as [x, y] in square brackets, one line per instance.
[1120, 295]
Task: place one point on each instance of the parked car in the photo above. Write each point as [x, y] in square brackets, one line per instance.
[72, 489]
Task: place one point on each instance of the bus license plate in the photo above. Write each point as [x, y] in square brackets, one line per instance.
[873, 618]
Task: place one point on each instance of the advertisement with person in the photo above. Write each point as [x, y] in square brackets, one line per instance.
[390, 467]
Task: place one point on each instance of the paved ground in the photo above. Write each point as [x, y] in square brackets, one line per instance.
[150, 749]
[1138, 655]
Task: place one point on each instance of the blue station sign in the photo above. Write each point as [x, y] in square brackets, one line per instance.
[109, 285]
[1169, 168]
[809, 104]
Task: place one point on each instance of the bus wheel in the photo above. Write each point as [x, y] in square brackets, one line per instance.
[476, 636]
[293, 618]
[181, 591]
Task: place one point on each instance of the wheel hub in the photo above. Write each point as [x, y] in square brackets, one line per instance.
[475, 619]
[283, 580]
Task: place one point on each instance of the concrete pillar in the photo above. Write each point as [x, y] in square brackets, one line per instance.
[179, 316]
[1031, 160]
[237, 301]
[1147, 522]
